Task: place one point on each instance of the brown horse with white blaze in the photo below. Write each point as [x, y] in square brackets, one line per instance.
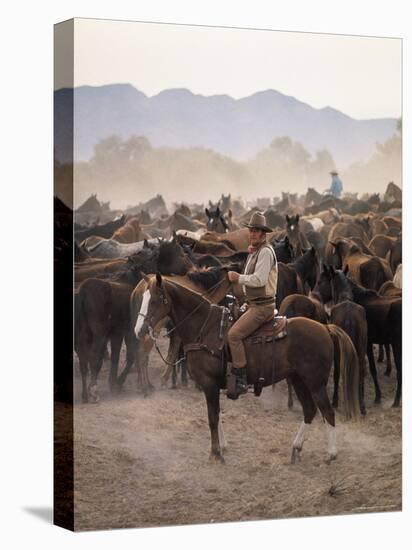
[305, 356]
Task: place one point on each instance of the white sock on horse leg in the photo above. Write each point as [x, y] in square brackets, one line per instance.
[332, 448]
[221, 433]
[300, 436]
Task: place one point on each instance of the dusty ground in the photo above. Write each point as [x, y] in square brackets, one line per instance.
[144, 461]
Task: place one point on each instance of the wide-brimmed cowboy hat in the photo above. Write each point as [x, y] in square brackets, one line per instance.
[333, 173]
[258, 221]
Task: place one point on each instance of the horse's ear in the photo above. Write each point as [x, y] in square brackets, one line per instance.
[218, 211]
[145, 277]
[286, 239]
[313, 250]
[207, 211]
[346, 269]
[158, 279]
[174, 235]
[230, 214]
[210, 203]
[145, 243]
[287, 218]
[297, 218]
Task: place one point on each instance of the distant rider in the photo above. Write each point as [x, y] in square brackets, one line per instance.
[336, 186]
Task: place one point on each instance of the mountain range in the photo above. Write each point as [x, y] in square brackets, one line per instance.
[238, 128]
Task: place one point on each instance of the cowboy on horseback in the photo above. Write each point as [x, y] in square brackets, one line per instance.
[259, 283]
[336, 186]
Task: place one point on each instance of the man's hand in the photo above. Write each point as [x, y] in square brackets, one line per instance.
[233, 276]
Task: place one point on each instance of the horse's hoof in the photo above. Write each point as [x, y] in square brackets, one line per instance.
[93, 395]
[214, 457]
[295, 455]
[363, 411]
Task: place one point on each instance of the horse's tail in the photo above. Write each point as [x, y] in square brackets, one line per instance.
[346, 354]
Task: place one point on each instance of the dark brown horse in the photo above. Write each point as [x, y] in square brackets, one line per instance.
[212, 283]
[300, 305]
[199, 322]
[102, 315]
[389, 290]
[296, 236]
[384, 319]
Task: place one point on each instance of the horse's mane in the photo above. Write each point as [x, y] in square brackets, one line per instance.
[168, 250]
[361, 293]
[238, 256]
[206, 279]
[304, 261]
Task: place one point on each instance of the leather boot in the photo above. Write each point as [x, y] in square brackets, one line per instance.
[241, 381]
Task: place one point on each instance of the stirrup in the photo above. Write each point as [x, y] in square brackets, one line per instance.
[235, 385]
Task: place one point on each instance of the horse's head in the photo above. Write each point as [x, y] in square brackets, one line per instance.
[284, 250]
[340, 286]
[155, 305]
[216, 220]
[292, 225]
[323, 285]
[172, 259]
[341, 248]
[310, 259]
[144, 261]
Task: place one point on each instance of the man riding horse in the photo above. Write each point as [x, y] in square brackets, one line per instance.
[259, 282]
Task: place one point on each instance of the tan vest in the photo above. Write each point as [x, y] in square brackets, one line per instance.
[263, 294]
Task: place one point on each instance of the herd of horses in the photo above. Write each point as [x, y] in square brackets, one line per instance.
[339, 284]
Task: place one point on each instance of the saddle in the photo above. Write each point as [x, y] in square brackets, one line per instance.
[275, 329]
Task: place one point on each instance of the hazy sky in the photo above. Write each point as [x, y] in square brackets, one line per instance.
[360, 76]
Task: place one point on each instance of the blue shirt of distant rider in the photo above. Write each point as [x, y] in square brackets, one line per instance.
[336, 187]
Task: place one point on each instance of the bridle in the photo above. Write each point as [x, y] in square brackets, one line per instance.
[165, 301]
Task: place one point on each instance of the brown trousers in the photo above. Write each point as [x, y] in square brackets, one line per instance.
[252, 319]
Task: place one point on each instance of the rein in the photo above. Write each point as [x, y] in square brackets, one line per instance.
[196, 308]
[154, 339]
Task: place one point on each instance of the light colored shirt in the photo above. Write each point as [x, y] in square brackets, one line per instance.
[261, 274]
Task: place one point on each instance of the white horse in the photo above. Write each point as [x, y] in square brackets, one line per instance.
[108, 248]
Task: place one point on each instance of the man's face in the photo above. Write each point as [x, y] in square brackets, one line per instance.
[255, 236]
